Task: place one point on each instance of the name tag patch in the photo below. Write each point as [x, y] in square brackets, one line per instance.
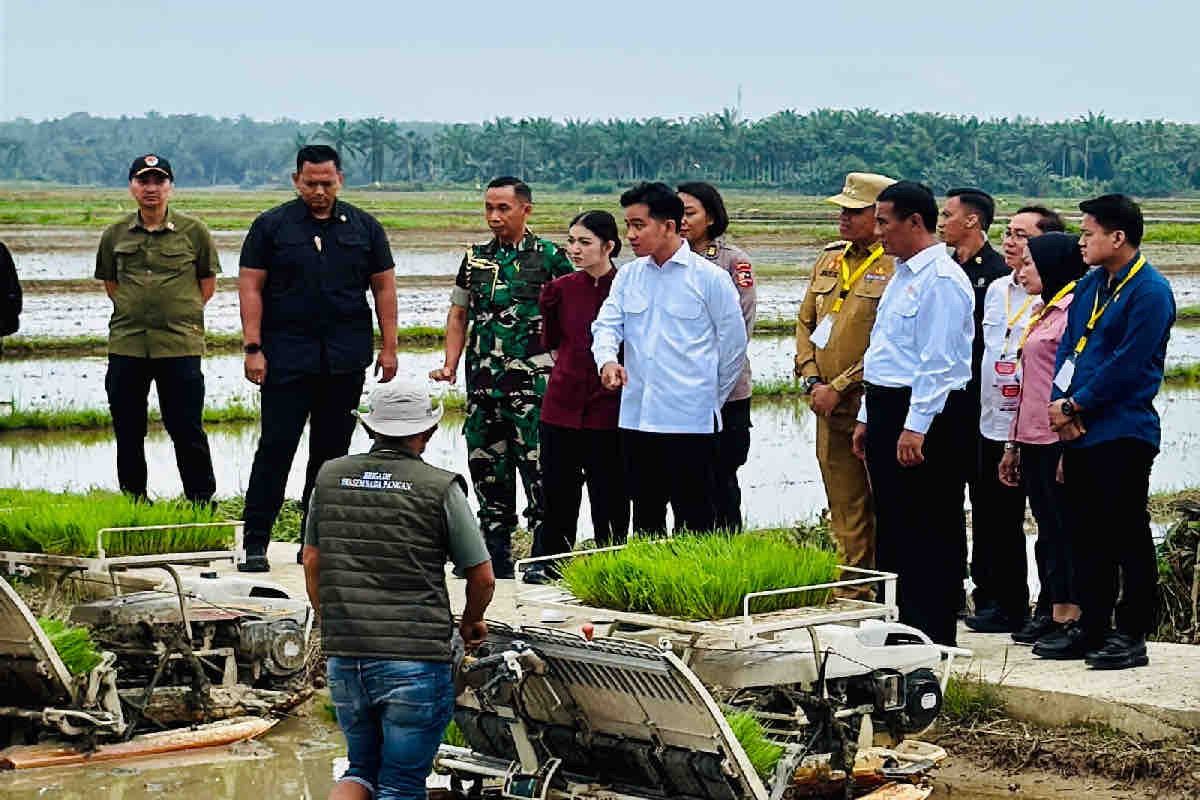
[375, 480]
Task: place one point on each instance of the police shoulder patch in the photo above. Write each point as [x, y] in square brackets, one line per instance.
[838, 245]
[743, 275]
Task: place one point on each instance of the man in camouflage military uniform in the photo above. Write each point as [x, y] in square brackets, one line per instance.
[494, 314]
[832, 331]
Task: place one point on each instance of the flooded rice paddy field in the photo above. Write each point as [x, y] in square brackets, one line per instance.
[781, 481]
[81, 313]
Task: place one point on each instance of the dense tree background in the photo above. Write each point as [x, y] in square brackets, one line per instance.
[800, 152]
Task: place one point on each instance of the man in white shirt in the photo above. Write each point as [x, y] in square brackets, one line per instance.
[916, 414]
[684, 339]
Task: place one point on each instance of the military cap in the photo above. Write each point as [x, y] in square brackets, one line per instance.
[150, 163]
[861, 189]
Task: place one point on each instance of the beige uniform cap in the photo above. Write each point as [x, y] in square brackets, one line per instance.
[861, 189]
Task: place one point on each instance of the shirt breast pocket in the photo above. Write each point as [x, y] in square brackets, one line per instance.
[127, 256]
[904, 316]
[176, 257]
[824, 288]
[354, 251]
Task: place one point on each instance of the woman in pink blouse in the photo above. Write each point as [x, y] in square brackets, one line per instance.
[1031, 456]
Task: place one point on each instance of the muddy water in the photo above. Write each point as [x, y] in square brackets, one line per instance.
[299, 758]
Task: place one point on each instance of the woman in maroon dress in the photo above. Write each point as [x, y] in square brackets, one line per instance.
[579, 440]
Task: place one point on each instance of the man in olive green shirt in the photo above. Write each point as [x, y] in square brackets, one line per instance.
[159, 269]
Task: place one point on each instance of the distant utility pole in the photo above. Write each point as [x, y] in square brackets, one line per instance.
[738, 108]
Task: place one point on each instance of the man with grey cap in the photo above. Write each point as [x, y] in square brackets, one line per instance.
[832, 331]
[381, 526]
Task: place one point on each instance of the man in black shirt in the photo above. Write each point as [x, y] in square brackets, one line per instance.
[305, 269]
[963, 225]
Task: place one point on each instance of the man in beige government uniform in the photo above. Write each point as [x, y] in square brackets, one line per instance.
[833, 328]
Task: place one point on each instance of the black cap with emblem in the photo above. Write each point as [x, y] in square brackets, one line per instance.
[150, 163]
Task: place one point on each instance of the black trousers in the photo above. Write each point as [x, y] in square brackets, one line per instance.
[1107, 486]
[180, 385]
[733, 447]
[1047, 501]
[569, 458]
[325, 402]
[999, 564]
[675, 468]
[918, 510]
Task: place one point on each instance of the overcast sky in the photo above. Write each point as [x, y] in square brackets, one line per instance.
[466, 61]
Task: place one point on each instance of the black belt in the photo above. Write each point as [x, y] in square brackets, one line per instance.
[876, 389]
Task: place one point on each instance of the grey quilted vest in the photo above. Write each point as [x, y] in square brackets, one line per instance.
[382, 534]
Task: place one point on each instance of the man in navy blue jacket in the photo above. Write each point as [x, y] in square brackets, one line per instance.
[1110, 367]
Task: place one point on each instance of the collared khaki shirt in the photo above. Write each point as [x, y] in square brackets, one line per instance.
[158, 311]
[840, 362]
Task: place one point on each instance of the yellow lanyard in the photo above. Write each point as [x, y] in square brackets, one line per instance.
[1097, 314]
[1036, 318]
[849, 280]
[1011, 319]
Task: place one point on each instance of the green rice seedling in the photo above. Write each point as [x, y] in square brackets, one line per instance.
[762, 752]
[73, 643]
[454, 736]
[696, 577]
[67, 524]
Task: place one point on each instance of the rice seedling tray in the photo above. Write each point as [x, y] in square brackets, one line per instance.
[742, 630]
[101, 561]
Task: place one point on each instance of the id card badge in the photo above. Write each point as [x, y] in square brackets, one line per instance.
[820, 336]
[1065, 373]
[1006, 383]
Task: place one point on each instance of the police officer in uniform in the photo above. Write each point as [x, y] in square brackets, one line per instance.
[306, 267]
[833, 328]
[704, 223]
[160, 268]
[494, 315]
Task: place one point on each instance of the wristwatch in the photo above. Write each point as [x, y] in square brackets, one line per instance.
[810, 383]
[1010, 447]
[251, 348]
[1068, 408]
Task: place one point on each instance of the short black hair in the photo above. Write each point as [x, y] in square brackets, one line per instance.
[1049, 220]
[978, 201]
[317, 154]
[663, 203]
[520, 188]
[1117, 212]
[908, 198]
[714, 206]
[603, 225]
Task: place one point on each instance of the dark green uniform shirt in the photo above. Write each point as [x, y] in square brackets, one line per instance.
[499, 285]
[158, 311]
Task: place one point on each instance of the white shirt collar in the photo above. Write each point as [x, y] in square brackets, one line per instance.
[927, 256]
[682, 256]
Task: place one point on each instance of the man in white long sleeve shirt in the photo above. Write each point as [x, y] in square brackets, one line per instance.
[679, 320]
[916, 412]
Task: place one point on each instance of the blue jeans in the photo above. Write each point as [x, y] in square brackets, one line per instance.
[393, 714]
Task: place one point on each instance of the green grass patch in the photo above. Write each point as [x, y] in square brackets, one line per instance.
[74, 645]
[1188, 315]
[287, 526]
[66, 524]
[62, 419]
[1182, 374]
[763, 753]
[702, 577]
[968, 698]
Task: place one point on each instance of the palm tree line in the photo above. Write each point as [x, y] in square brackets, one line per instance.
[788, 150]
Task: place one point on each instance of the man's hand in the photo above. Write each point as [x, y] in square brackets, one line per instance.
[446, 374]
[1010, 468]
[473, 633]
[385, 365]
[824, 399]
[858, 442]
[909, 448]
[613, 376]
[1057, 418]
[1073, 429]
[256, 367]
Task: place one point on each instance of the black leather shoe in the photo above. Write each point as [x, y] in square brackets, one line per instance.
[255, 562]
[537, 575]
[1035, 629]
[993, 620]
[1068, 643]
[504, 572]
[1119, 651]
